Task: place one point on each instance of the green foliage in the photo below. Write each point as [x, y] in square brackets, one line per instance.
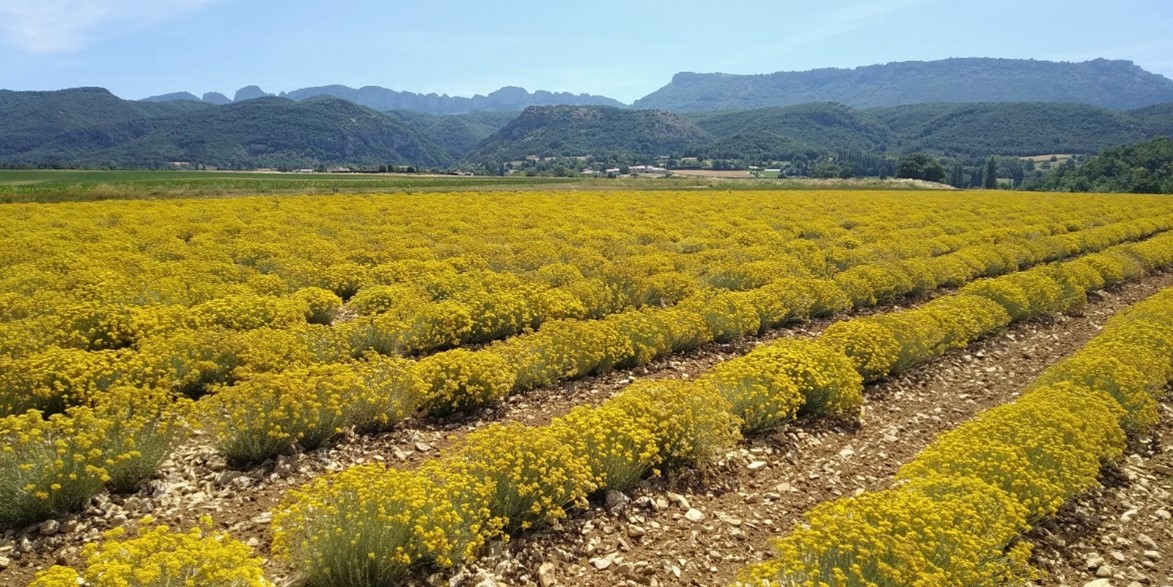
[597, 130]
[921, 166]
[1020, 128]
[1145, 167]
[781, 134]
[93, 128]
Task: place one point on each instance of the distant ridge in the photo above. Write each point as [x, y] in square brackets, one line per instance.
[506, 99]
[1118, 85]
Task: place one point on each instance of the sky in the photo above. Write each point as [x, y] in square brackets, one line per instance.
[621, 49]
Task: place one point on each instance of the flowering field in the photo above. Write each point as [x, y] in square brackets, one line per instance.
[263, 327]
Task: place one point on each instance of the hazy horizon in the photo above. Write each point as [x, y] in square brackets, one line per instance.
[138, 49]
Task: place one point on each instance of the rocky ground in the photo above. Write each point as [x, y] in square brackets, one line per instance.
[692, 528]
[1122, 534]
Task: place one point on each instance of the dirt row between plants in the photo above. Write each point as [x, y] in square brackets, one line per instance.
[1122, 534]
[703, 528]
[767, 483]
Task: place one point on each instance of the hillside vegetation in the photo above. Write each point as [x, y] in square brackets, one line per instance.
[265, 132]
[1145, 167]
[589, 130]
[90, 127]
[813, 130]
[1009, 129]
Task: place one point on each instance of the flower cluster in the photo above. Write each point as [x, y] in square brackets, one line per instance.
[271, 413]
[160, 557]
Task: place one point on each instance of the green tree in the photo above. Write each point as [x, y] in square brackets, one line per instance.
[991, 182]
[920, 166]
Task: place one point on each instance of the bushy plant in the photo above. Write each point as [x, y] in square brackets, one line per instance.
[156, 556]
[321, 305]
[533, 475]
[142, 427]
[367, 526]
[460, 380]
[271, 413]
[50, 466]
[760, 389]
[1009, 295]
[871, 347]
[194, 361]
[618, 450]
[727, 315]
[692, 422]
[390, 390]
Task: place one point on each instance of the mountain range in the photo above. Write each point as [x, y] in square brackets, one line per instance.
[1119, 85]
[1076, 108]
[507, 99]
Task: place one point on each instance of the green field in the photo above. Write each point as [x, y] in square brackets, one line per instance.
[70, 185]
[75, 185]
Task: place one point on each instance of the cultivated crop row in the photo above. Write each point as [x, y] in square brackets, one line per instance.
[121, 433]
[110, 336]
[370, 525]
[960, 508]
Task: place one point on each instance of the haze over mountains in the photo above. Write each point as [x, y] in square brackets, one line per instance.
[1119, 85]
[507, 99]
[960, 107]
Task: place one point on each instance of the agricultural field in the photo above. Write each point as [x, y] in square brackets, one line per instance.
[545, 387]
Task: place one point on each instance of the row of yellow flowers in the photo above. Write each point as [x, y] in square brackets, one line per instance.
[958, 510]
[266, 414]
[90, 311]
[300, 401]
[508, 478]
[62, 343]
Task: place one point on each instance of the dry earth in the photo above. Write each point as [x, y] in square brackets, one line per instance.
[1120, 535]
[688, 529]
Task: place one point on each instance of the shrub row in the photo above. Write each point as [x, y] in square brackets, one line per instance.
[961, 505]
[370, 525]
[270, 413]
[508, 478]
[892, 343]
[222, 341]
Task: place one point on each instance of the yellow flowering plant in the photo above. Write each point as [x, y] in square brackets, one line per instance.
[533, 475]
[142, 427]
[50, 465]
[459, 381]
[691, 421]
[156, 556]
[760, 389]
[367, 525]
[618, 450]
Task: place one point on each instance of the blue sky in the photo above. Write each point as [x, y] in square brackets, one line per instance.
[138, 48]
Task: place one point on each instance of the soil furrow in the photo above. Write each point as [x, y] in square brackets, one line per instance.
[1120, 534]
[702, 528]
